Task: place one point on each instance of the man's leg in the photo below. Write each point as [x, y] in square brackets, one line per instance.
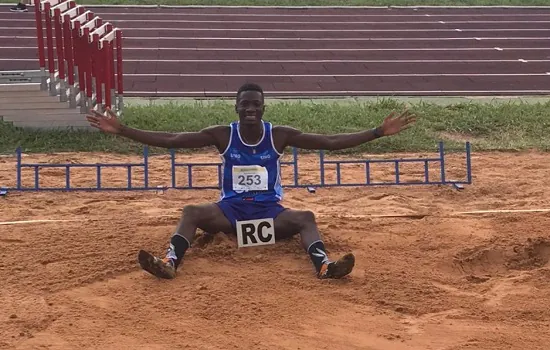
[207, 217]
[291, 222]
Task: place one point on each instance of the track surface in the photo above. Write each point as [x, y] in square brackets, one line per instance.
[317, 51]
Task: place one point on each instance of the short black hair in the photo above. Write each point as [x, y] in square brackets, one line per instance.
[250, 87]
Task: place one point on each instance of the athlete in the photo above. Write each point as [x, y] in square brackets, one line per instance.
[251, 149]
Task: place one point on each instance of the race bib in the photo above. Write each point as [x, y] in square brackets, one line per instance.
[249, 178]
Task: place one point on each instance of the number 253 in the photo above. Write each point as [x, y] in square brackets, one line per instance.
[249, 180]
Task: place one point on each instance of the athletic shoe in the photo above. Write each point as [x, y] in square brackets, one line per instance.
[161, 268]
[337, 269]
[19, 8]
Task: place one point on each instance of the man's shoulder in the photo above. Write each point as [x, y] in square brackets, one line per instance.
[220, 134]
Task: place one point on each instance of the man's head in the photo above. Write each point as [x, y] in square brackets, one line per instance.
[250, 103]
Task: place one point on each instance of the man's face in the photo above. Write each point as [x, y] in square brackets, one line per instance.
[250, 107]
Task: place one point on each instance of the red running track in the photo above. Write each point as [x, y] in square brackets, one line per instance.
[317, 52]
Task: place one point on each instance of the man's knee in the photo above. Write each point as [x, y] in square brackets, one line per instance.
[307, 217]
[196, 213]
[303, 218]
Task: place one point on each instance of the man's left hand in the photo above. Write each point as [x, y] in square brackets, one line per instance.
[393, 125]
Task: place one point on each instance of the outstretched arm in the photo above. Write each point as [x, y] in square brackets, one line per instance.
[390, 126]
[202, 138]
[111, 125]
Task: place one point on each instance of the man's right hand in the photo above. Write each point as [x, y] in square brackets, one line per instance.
[212, 136]
[108, 124]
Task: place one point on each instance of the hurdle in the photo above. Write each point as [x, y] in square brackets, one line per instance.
[396, 163]
[84, 66]
[172, 180]
[67, 167]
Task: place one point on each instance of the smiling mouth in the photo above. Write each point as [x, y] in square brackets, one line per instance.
[250, 118]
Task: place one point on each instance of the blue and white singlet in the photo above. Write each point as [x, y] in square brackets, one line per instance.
[251, 172]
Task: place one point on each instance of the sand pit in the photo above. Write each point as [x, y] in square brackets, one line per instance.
[434, 281]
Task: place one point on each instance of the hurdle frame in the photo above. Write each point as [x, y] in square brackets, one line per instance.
[98, 166]
[72, 69]
[396, 162]
[294, 163]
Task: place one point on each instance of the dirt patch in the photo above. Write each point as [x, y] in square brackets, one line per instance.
[426, 281]
[495, 258]
[535, 253]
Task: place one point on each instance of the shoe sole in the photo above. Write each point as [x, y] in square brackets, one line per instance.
[150, 264]
[342, 267]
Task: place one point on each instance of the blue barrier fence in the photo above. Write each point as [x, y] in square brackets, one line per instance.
[396, 162]
[98, 167]
[174, 165]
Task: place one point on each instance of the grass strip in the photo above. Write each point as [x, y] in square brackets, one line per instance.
[513, 125]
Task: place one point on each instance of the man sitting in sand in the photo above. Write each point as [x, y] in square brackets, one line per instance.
[249, 207]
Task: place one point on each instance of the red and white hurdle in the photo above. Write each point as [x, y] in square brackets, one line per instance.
[84, 67]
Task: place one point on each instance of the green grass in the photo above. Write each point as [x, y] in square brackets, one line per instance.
[489, 126]
[322, 2]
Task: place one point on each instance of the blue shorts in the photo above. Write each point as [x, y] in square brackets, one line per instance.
[239, 210]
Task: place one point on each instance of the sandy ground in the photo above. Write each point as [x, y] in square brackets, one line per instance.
[439, 281]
